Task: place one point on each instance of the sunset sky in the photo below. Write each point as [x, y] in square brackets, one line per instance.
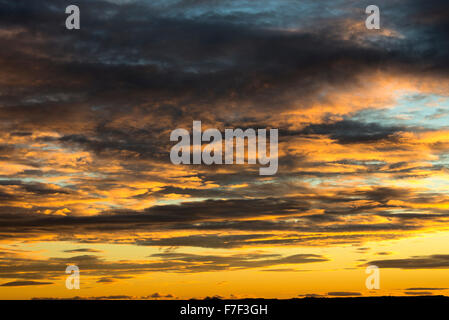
[85, 170]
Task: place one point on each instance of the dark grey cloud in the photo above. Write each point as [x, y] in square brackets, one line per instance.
[418, 293]
[105, 280]
[350, 131]
[39, 189]
[343, 294]
[436, 261]
[425, 289]
[157, 295]
[284, 270]
[113, 278]
[82, 250]
[207, 241]
[24, 283]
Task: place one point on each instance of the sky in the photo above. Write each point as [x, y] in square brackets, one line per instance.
[85, 171]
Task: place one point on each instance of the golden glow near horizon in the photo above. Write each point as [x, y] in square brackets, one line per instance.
[86, 177]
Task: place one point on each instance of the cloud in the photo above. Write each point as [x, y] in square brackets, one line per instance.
[418, 293]
[383, 253]
[82, 250]
[284, 270]
[111, 297]
[206, 241]
[112, 279]
[156, 295]
[105, 280]
[350, 131]
[161, 262]
[343, 294]
[288, 214]
[24, 283]
[237, 261]
[425, 289]
[311, 295]
[436, 261]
